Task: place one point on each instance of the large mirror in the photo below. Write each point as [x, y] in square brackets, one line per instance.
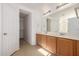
[64, 22]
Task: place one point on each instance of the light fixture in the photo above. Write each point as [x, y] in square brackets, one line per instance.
[49, 11]
[61, 5]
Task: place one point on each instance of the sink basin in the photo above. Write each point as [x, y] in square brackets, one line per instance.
[62, 33]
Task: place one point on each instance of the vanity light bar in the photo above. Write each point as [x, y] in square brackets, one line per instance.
[59, 6]
[49, 11]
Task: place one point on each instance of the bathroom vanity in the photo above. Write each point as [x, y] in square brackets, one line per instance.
[59, 33]
[59, 45]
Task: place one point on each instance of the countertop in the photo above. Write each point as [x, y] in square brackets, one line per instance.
[73, 36]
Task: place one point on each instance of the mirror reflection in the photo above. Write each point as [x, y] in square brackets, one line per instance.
[64, 22]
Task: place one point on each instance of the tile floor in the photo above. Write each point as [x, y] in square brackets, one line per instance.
[28, 50]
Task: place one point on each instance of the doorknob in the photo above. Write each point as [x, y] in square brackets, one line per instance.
[5, 33]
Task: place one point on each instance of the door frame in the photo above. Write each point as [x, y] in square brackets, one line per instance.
[30, 26]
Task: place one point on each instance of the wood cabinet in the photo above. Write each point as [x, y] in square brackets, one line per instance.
[65, 47]
[77, 46]
[58, 46]
[47, 42]
[44, 41]
[39, 39]
[51, 44]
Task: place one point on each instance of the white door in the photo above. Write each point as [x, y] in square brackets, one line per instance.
[0, 30]
[10, 29]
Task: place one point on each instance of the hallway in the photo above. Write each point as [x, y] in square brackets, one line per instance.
[27, 50]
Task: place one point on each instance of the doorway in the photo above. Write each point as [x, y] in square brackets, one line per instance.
[25, 26]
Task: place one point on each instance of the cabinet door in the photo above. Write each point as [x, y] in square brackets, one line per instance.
[39, 39]
[44, 41]
[77, 48]
[51, 44]
[64, 47]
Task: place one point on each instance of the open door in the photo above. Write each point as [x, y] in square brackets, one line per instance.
[10, 29]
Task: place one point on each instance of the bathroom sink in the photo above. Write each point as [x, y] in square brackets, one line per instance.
[62, 33]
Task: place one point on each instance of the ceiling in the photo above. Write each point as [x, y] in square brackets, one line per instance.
[44, 7]
[41, 6]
